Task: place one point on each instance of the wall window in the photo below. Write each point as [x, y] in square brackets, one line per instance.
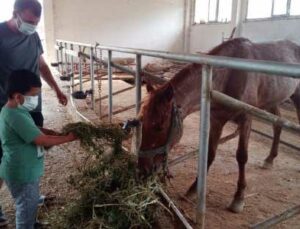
[259, 9]
[213, 11]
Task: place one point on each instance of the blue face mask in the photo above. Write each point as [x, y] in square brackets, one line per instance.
[30, 103]
[24, 27]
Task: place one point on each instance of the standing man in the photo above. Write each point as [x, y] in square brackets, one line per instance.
[21, 48]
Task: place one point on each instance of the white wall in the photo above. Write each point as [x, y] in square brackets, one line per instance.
[149, 24]
[261, 31]
[205, 37]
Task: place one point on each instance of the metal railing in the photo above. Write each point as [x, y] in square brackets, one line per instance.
[208, 62]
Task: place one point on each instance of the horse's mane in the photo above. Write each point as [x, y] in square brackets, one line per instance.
[155, 97]
[227, 47]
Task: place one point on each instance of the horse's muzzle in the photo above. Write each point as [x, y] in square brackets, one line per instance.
[131, 123]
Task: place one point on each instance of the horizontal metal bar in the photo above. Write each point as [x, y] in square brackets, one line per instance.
[115, 93]
[183, 158]
[269, 67]
[76, 43]
[123, 68]
[82, 82]
[72, 53]
[105, 63]
[175, 209]
[120, 110]
[153, 79]
[277, 218]
[224, 140]
[238, 105]
[281, 141]
[146, 76]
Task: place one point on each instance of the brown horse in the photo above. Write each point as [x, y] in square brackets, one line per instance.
[162, 114]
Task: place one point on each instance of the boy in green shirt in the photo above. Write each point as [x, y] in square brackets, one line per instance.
[22, 143]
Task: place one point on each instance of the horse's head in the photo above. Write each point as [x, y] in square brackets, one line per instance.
[159, 128]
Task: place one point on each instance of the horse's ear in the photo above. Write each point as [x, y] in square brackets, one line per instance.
[149, 88]
[168, 93]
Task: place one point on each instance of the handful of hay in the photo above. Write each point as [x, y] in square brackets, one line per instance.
[110, 196]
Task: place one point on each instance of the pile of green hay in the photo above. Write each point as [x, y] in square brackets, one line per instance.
[109, 194]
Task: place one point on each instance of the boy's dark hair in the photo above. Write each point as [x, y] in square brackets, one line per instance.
[33, 5]
[21, 81]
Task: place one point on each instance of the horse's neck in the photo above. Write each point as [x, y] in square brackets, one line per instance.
[186, 86]
[187, 90]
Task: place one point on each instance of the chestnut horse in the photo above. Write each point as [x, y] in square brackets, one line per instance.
[162, 114]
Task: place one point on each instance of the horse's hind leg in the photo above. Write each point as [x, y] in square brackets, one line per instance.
[268, 163]
[237, 204]
[296, 99]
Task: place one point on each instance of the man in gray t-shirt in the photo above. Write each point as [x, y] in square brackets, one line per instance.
[21, 48]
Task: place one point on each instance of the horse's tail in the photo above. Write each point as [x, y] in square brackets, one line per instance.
[230, 136]
[296, 99]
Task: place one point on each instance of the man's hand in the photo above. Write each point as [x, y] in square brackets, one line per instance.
[48, 77]
[62, 98]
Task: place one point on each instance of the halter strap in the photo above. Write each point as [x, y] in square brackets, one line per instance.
[176, 125]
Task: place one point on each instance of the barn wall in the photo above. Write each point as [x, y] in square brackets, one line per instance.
[205, 37]
[155, 24]
[272, 30]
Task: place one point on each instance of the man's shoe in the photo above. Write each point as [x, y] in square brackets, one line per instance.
[42, 200]
[45, 200]
[3, 222]
[41, 225]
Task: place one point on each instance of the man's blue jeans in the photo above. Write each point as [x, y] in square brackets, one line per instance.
[26, 198]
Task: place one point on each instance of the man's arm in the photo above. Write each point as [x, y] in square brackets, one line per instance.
[48, 77]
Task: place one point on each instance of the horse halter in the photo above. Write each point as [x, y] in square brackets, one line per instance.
[176, 128]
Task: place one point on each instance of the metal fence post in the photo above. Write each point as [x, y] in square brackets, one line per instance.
[92, 77]
[109, 69]
[203, 144]
[57, 56]
[66, 60]
[61, 58]
[80, 69]
[98, 76]
[138, 83]
[72, 66]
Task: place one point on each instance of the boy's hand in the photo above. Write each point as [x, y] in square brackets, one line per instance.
[49, 132]
[72, 137]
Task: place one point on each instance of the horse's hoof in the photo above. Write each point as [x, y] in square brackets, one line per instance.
[267, 165]
[237, 206]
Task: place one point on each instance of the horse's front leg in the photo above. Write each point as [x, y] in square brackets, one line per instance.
[237, 204]
[216, 127]
[268, 163]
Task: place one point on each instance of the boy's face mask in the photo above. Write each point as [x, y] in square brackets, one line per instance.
[30, 103]
[24, 27]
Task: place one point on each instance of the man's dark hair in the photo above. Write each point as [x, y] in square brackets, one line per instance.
[33, 5]
[21, 81]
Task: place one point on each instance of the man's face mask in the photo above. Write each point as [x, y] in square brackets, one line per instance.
[24, 27]
[30, 103]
